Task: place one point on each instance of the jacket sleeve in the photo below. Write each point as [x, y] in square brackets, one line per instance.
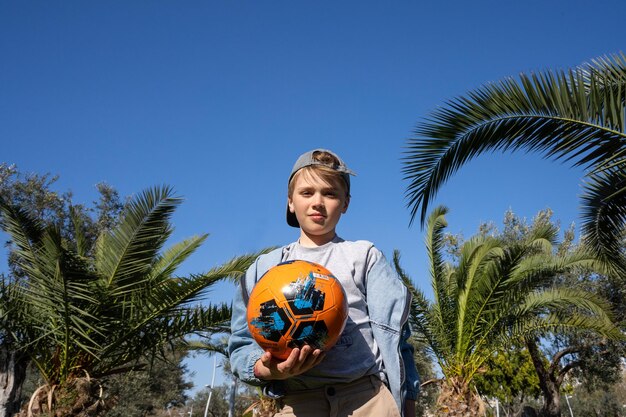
[390, 313]
[242, 349]
[412, 378]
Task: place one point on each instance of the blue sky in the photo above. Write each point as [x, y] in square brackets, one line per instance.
[218, 98]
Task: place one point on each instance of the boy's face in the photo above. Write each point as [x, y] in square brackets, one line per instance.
[318, 206]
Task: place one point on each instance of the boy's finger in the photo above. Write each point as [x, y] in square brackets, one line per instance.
[304, 352]
[291, 359]
[311, 359]
[266, 358]
[316, 357]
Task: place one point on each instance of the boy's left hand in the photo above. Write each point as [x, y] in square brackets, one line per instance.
[298, 362]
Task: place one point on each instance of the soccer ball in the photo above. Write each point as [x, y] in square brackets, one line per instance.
[296, 303]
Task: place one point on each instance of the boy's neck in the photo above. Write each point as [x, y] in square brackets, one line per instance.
[313, 241]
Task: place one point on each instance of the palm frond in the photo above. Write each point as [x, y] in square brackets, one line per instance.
[604, 211]
[434, 245]
[175, 324]
[132, 245]
[501, 290]
[82, 245]
[167, 298]
[421, 309]
[55, 305]
[161, 270]
[206, 347]
[557, 299]
[237, 266]
[443, 312]
[167, 263]
[101, 309]
[575, 115]
[232, 269]
[24, 230]
[521, 271]
[558, 323]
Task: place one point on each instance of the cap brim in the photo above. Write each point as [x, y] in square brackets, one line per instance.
[292, 220]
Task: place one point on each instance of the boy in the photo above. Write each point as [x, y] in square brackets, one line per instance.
[370, 371]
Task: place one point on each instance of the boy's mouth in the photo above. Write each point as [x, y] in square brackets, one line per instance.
[317, 216]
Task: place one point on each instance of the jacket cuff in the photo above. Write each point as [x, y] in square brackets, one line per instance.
[249, 377]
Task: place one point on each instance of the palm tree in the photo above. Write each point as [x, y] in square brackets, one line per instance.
[498, 292]
[13, 361]
[575, 115]
[89, 311]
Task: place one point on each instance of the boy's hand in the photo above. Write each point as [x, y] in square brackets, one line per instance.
[299, 361]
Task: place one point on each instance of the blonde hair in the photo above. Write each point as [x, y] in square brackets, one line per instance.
[325, 171]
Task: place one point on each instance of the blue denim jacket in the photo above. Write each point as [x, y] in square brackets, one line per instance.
[388, 317]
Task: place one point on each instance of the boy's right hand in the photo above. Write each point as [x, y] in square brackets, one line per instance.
[299, 361]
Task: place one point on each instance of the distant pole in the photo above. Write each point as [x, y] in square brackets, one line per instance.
[208, 401]
[569, 406]
[497, 407]
[191, 411]
[231, 398]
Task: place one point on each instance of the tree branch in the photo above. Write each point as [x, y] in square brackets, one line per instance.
[558, 356]
[565, 370]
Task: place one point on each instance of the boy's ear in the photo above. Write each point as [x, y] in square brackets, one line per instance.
[290, 205]
[345, 205]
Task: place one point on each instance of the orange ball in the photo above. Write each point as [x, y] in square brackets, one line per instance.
[297, 303]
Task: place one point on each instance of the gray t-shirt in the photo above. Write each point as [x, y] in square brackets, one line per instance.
[356, 353]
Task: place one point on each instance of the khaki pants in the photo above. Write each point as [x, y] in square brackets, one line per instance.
[365, 397]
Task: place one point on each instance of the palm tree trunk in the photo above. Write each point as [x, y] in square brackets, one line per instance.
[456, 399]
[12, 376]
[78, 397]
[547, 382]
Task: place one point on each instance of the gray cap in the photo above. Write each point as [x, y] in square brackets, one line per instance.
[306, 160]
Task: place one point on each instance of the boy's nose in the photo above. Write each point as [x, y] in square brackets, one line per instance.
[318, 200]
